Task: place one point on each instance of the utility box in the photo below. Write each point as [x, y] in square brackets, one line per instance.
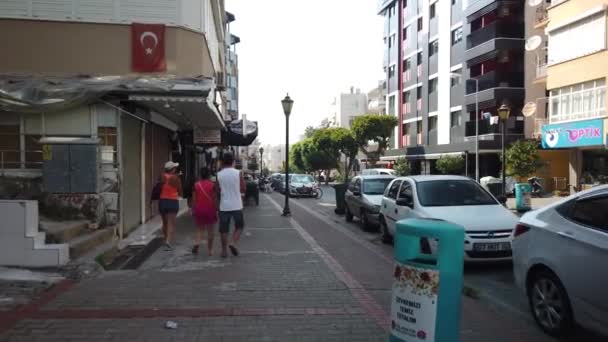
[70, 165]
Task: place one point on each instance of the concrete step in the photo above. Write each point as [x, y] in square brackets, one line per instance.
[83, 244]
[63, 232]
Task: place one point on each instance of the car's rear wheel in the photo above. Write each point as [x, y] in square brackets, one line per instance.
[386, 235]
[349, 215]
[549, 303]
[365, 220]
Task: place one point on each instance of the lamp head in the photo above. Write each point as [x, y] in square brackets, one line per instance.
[287, 103]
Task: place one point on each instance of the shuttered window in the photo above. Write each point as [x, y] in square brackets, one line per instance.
[578, 39]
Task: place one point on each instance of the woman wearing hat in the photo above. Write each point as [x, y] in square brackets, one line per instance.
[168, 204]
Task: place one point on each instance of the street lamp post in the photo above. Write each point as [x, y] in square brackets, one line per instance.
[458, 76]
[261, 161]
[287, 103]
[503, 112]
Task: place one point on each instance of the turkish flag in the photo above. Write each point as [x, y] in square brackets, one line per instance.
[148, 47]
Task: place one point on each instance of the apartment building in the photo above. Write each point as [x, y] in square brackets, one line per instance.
[576, 83]
[347, 106]
[232, 72]
[98, 95]
[449, 64]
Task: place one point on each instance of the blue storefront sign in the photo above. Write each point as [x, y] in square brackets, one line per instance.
[574, 134]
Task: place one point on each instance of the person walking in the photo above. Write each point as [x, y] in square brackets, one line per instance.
[168, 203]
[232, 188]
[204, 210]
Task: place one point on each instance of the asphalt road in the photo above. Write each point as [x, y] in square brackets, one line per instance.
[494, 282]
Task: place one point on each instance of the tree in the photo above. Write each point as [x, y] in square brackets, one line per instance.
[450, 164]
[402, 167]
[523, 158]
[335, 141]
[309, 132]
[375, 128]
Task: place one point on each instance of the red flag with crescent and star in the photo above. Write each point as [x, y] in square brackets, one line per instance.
[148, 47]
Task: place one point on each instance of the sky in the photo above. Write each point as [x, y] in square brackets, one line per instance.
[311, 49]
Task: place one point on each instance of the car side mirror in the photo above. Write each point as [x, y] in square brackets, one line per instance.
[405, 202]
[502, 199]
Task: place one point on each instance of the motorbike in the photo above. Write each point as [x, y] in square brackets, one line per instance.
[537, 188]
[317, 191]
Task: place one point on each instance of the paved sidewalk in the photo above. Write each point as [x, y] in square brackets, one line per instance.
[284, 287]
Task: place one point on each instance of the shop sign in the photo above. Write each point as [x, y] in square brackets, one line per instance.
[207, 136]
[573, 134]
[414, 303]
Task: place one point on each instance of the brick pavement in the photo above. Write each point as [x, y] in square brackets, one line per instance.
[285, 286]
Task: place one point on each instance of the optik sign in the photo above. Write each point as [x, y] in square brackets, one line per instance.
[574, 134]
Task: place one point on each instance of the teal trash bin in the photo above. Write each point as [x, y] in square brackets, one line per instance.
[523, 195]
[340, 190]
[426, 295]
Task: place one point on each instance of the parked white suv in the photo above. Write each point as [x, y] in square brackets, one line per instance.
[559, 257]
[488, 224]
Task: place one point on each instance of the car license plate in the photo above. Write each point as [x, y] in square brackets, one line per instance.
[491, 247]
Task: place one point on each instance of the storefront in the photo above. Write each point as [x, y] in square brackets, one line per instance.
[586, 142]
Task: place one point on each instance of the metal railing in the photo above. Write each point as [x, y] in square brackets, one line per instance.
[18, 160]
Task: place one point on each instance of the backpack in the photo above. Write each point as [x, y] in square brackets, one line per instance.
[157, 189]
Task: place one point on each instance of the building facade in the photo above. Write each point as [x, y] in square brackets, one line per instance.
[100, 94]
[376, 99]
[576, 83]
[232, 71]
[347, 106]
[449, 64]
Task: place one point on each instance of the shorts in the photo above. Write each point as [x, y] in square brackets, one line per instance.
[225, 216]
[204, 215]
[168, 206]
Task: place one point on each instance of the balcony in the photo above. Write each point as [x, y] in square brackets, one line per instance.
[514, 127]
[496, 79]
[541, 17]
[538, 127]
[497, 29]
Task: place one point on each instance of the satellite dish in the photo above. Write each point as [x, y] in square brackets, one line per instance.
[529, 109]
[534, 3]
[533, 43]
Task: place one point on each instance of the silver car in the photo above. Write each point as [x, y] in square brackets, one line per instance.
[363, 198]
[559, 259]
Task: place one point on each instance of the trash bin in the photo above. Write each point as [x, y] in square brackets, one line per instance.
[340, 190]
[420, 280]
[523, 194]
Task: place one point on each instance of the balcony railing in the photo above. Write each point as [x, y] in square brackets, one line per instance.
[538, 126]
[541, 70]
[496, 79]
[486, 128]
[542, 15]
[497, 29]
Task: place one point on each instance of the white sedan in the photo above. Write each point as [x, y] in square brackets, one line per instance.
[488, 224]
[559, 257]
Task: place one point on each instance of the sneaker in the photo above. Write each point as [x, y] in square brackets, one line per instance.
[195, 249]
[168, 246]
[234, 250]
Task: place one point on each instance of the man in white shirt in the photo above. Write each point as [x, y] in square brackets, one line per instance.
[232, 187]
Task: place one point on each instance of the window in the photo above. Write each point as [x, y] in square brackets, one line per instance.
[393, 190]
[454, 81]
[589, 212]
[375, 186]
[391, 71]
[404, 3]
[406, 191]
[405, 29]
[433, 48]
[453, 2]
[418, 93]
[406, 97]
[457, 36]
[578, 102]
[10, 147]
[420, 23]
[432, 85]
[432, 123]
[419, 58]
[407, 64]
[452, 193]
[565, 43]
[391, 40]
[432, 10]
[419, 127]
[456, 118]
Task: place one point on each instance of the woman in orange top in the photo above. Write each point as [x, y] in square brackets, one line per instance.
[168, 204]
[204, 209]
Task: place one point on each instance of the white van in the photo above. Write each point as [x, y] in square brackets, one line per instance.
[373, 172]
